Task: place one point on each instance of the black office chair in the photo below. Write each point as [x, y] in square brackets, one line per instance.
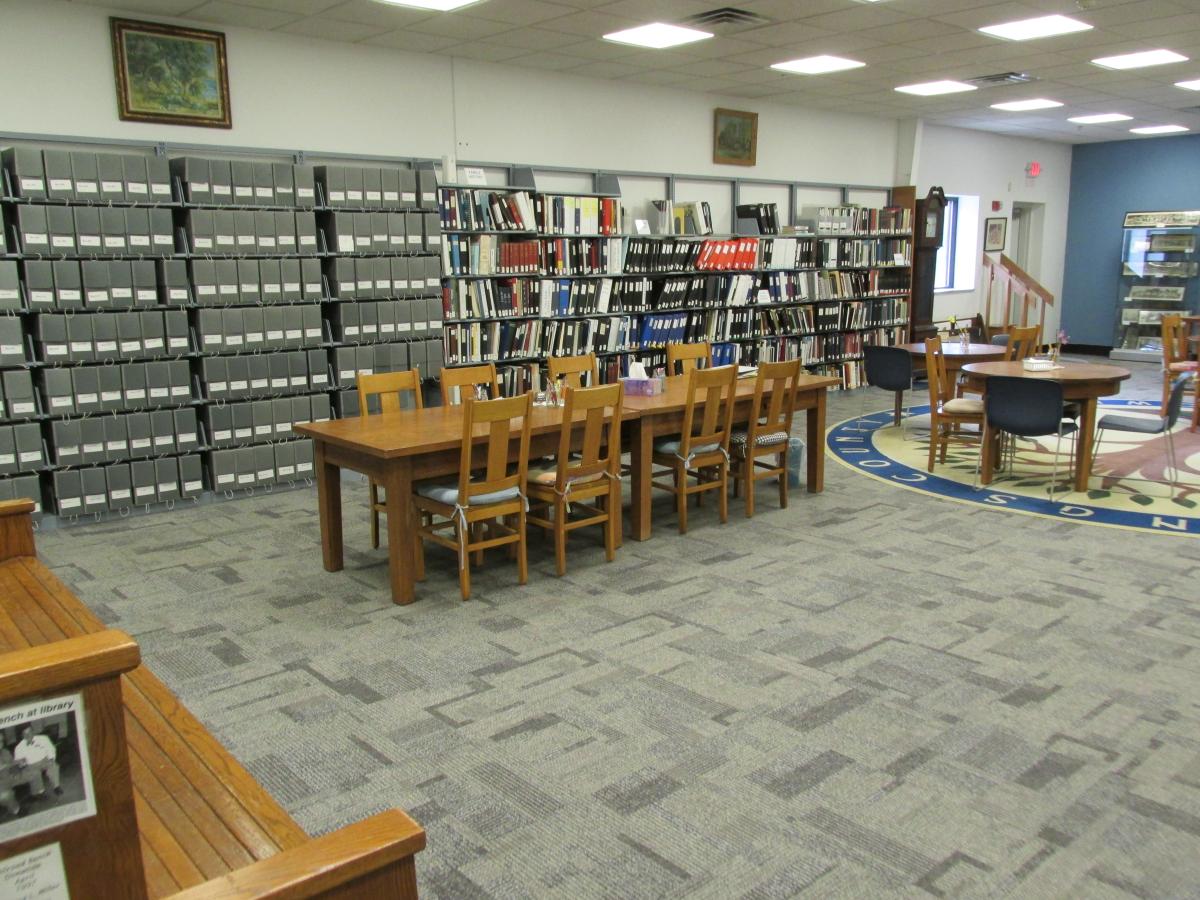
[1164, 425]
[1027, 407]
[890, 369]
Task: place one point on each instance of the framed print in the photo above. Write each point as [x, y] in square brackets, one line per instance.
[170, 75]
[735, 137]
[1167, 219]
[994, 233]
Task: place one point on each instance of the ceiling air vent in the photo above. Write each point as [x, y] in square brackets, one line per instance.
[729, 17]
[1002, 78]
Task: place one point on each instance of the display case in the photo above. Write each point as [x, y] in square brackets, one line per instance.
[1158, 277]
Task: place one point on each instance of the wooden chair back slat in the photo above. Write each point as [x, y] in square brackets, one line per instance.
[688, 357]
[572, 369]
[782, 380]
[388, 386]
[718, 387]
[1174, 340]
[469, 376]
[601, 448]
[497, 415]
[1021, 342]
[935, 371]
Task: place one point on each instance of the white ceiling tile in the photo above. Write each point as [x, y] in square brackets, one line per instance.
[539, 39]
[330, 29]
[298, 7]
[223, 13]
[485, 52]
[145, 7]
[412, 41]
[384, 16]
[518, 12]
[552, 61]
[858, 17]
[712, 68]
[455, 26]
[786, 34]
[601, 69]
[592, 24]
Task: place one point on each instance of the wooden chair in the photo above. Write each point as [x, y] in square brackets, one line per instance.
[592, 474]
[1021, 343]
[571, 369]
[469, 376]
[464, 506]
[1175, 356]
[387, 386]
[688, 357]
[768, 432]
[947, 413]
[703, 446]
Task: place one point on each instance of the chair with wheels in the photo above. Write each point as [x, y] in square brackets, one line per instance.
[1164, 425]
[496, 499]
[387, 388]
[592, 474]
[686, 357]
[761, 451]
[1027, 407]
[468, 377]
[702, 449]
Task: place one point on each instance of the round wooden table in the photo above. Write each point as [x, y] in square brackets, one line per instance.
[1085, 383]
[956, 357]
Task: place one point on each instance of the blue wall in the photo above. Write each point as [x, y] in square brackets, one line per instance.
[1107, 181]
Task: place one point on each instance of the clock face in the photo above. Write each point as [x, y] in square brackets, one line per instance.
[931, 224]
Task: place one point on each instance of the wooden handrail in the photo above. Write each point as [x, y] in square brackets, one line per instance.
[324, 866]
[1026, 279]
[1018, 285]
[47, 668]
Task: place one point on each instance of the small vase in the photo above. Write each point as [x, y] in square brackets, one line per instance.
[964, 340]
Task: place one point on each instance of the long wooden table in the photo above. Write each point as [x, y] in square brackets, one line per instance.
[398, 449]
[1084, 383]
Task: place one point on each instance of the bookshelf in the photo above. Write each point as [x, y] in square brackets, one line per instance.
[164, 323]
[516, 292]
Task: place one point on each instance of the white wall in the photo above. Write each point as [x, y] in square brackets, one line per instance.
[993, 167]
[292, 92]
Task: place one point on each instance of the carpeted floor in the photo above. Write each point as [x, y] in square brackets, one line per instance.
[872, 693]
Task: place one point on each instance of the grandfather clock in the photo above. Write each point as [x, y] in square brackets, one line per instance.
[927, 239]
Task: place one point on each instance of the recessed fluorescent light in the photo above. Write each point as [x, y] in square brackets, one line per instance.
[657, 35]
[1100, 118]
[1042, 26]
[1189, 85]
[1140, 59]
[1026, 105]
[437, 5]
[933, 88]
[1158, 129]
[818, 65]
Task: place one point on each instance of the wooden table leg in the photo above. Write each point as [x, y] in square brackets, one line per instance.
[329, 506]
[642, 447]
[400, 516]
[815, 434]
[1083, 450]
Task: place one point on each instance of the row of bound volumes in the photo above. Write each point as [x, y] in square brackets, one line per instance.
[524, 338]
[489, 254]
[567, 297]
[569, 214]
[468, 209]
[857, 219]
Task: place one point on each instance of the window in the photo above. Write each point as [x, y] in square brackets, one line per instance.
[958, 257]
[943, 278]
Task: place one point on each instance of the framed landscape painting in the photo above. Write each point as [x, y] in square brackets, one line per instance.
[735, 137]
[171, 75]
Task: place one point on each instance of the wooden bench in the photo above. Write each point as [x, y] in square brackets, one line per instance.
[199, 826]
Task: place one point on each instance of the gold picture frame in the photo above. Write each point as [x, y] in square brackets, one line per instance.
[170, 75]
[995, 232]
[735, 137]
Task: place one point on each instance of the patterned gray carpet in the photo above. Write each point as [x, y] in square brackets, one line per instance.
[872, 693]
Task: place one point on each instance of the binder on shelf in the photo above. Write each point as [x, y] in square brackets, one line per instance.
[137, 231]
[263, 178]
[162, 232]
[120, 487]
[26, 171]
[389, 185]
[85, 385]
[116, 438]
[112, 230]
[120, 284]
[271, 280]
[68, 489]
[303, 177]
[137, 180]
[158, 175]
[285, 231]
[111, 396]
[60, 182]
[145, 283]
[66, 437]
[60, 226]
[265, 235]
[86, 175]
[173, 285]
[94, 488]
[166, 480]
[10, 287]
[220, 174]
[191, 476]
[95, 275]
[111, 171]
[33, 231]
[64, 278]
[283, 184]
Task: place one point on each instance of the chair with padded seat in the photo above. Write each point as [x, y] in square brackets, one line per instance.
[468, 377]
[889, 369]
[947, 413]
[1175, 355]
[572, 369]
[387, 388]
[682, 358]
[1027, 407]
[761, 451]
[593, 474]
[497, 498]
[702, 449]
[1163, 425]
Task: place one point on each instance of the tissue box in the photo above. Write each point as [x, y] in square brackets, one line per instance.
[643, 387]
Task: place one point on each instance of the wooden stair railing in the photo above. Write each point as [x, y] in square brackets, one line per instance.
[1019, 289]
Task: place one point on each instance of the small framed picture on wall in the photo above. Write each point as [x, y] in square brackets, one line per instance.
[994, 233]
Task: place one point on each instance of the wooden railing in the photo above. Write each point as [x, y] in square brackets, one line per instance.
[1020, 292]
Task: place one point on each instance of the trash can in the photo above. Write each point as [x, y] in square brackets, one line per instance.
[795, 462]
